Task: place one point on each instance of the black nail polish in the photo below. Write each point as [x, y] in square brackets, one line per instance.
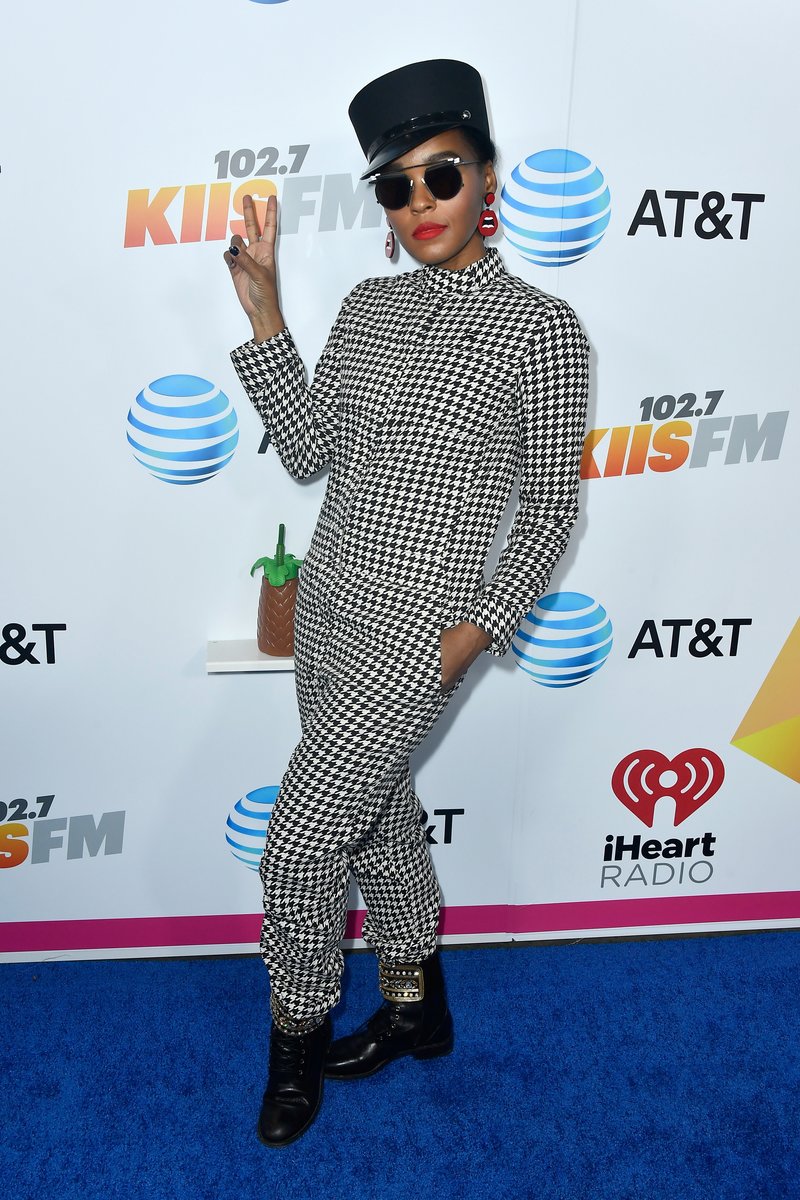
[234, 250]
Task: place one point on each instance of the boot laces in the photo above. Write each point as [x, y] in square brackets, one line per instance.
[287, 1052]
[383, 1022]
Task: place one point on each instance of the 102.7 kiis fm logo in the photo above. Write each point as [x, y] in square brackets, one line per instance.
[666, 438]
[212, 211]
[29, 833]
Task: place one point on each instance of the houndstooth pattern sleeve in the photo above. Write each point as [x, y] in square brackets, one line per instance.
[552, 400]
[302, 422]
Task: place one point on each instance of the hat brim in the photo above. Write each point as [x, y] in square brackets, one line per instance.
[407, 141]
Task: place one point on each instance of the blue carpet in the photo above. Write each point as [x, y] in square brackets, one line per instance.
[619, 1071]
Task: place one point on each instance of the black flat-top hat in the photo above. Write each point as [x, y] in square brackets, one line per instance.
[398, 111]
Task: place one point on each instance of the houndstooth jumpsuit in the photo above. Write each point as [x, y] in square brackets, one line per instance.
[435, 392]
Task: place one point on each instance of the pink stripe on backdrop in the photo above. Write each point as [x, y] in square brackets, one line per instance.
[132, 932]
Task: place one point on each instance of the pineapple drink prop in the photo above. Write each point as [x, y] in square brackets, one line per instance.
[277, 599]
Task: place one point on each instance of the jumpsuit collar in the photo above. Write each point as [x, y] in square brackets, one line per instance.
[467, 279]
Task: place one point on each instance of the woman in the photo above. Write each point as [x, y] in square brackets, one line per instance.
[436, 391]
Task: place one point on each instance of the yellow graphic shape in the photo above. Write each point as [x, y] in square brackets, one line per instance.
[770, 729]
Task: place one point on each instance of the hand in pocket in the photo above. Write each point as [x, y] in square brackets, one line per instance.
[460, 645]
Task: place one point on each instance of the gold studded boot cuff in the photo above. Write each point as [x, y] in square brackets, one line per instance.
[289, 1024]
[401, 982]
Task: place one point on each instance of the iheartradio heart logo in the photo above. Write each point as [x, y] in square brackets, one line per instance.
[644, 777]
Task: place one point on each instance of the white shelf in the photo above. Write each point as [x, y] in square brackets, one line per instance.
[228, 658]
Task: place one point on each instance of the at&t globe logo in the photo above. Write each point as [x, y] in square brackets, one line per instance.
[555, 207]
[564, 641]
[246, 826]
[183, 429]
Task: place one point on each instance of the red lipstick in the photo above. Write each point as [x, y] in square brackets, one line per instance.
[428, 230]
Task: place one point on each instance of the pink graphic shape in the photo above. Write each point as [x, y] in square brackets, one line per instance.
[243, 928]
[637, 781]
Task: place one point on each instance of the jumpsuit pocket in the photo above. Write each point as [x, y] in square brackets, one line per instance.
[438, 665]
[432, 658]
[438, 658]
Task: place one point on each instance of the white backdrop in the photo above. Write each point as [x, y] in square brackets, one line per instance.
[123, 757]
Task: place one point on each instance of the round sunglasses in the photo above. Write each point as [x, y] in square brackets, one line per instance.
[442, 179]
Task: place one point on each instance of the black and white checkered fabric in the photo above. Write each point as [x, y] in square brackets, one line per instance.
[346, 803]
[436, 390]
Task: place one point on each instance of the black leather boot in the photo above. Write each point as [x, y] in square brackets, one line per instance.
[413, 1019]
[294, 1088]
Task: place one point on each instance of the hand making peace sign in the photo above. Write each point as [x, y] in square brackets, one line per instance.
[254, 271]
